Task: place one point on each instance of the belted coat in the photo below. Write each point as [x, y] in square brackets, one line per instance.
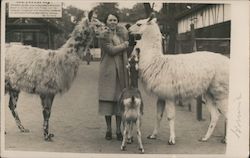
[112, 65]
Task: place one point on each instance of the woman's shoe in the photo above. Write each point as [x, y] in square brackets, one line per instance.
[108, 136]
[119, 136]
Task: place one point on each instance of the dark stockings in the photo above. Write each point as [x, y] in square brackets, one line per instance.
[118, 123]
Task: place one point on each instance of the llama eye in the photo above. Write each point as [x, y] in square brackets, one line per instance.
[138, 24]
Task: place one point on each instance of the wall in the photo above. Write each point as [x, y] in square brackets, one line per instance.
[210, 15]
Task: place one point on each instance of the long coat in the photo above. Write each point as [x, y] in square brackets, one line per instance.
[112, 70]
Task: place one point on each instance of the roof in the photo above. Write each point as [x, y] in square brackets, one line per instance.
[35, 23]
[194, 9]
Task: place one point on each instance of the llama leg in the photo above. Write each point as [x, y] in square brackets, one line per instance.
[138, 125]
[170, 107]
[130, 137]
[160, 111]
[12, 105]
[223, 108]
[224, 140]
[125, 134]
[214, 114]
[47, 101]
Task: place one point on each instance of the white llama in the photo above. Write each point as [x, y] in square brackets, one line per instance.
[182, 76]
[46, 72]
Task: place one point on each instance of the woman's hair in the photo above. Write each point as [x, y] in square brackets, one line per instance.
[114, 14]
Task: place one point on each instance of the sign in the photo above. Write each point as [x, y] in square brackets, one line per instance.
[35, 9]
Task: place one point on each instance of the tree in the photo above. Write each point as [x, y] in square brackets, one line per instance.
[167, 18]
[103, 9]
[147, 8]
[66, 24]
[75, 12]
[134, 14]
[125, 14]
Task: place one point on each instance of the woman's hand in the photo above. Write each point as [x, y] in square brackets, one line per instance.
[127, 44]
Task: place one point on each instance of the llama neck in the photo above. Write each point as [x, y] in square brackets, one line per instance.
[152, 38]
[79, 41]
[150, 45]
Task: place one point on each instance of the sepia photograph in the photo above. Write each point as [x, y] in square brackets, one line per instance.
[122, 78]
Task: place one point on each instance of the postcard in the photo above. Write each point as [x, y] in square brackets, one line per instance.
[124, 78]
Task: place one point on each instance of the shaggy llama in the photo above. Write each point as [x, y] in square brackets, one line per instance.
[182, 76]
[46, 72]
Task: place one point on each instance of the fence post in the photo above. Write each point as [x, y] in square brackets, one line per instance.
[199, 108]
[194, 48]
[178, 42]
[199, 98]
[164, 44]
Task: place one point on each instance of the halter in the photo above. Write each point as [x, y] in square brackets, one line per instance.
[133, 67]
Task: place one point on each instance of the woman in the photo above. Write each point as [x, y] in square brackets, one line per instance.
[112, 76]
[88, 56]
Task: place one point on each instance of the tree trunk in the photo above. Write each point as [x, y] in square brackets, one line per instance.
[148, 8]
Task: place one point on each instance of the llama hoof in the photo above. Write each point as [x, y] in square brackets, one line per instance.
[141, 150]
[203, 139]
[171, 142]
[130, 140]
[224, 141]
[49, 137]
[25, 130]
[123, 148]
[151, 137]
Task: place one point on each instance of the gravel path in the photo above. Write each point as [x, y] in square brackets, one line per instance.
[79, 129]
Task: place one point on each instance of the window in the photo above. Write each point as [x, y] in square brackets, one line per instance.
[14, 37]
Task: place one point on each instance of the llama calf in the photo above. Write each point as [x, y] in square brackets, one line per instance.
[131, 105]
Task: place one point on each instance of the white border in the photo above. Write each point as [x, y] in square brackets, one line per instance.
[239, 86]
[239, 80]
[2, 77]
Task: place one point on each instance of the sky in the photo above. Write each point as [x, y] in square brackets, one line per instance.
[88, 5]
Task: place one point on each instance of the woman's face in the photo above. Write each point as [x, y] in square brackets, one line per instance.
[112, 21]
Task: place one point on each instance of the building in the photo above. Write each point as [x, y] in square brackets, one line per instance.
[36, 32]
[204, 27]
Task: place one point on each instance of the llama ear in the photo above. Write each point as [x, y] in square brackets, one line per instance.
[154, 20]
[152, 16]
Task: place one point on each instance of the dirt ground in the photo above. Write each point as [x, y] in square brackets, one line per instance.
[79, 129]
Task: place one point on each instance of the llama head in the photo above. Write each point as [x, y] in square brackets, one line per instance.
[151, 37]
[89, 26]
[84, 33]
[98, 27]
[141, 25]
